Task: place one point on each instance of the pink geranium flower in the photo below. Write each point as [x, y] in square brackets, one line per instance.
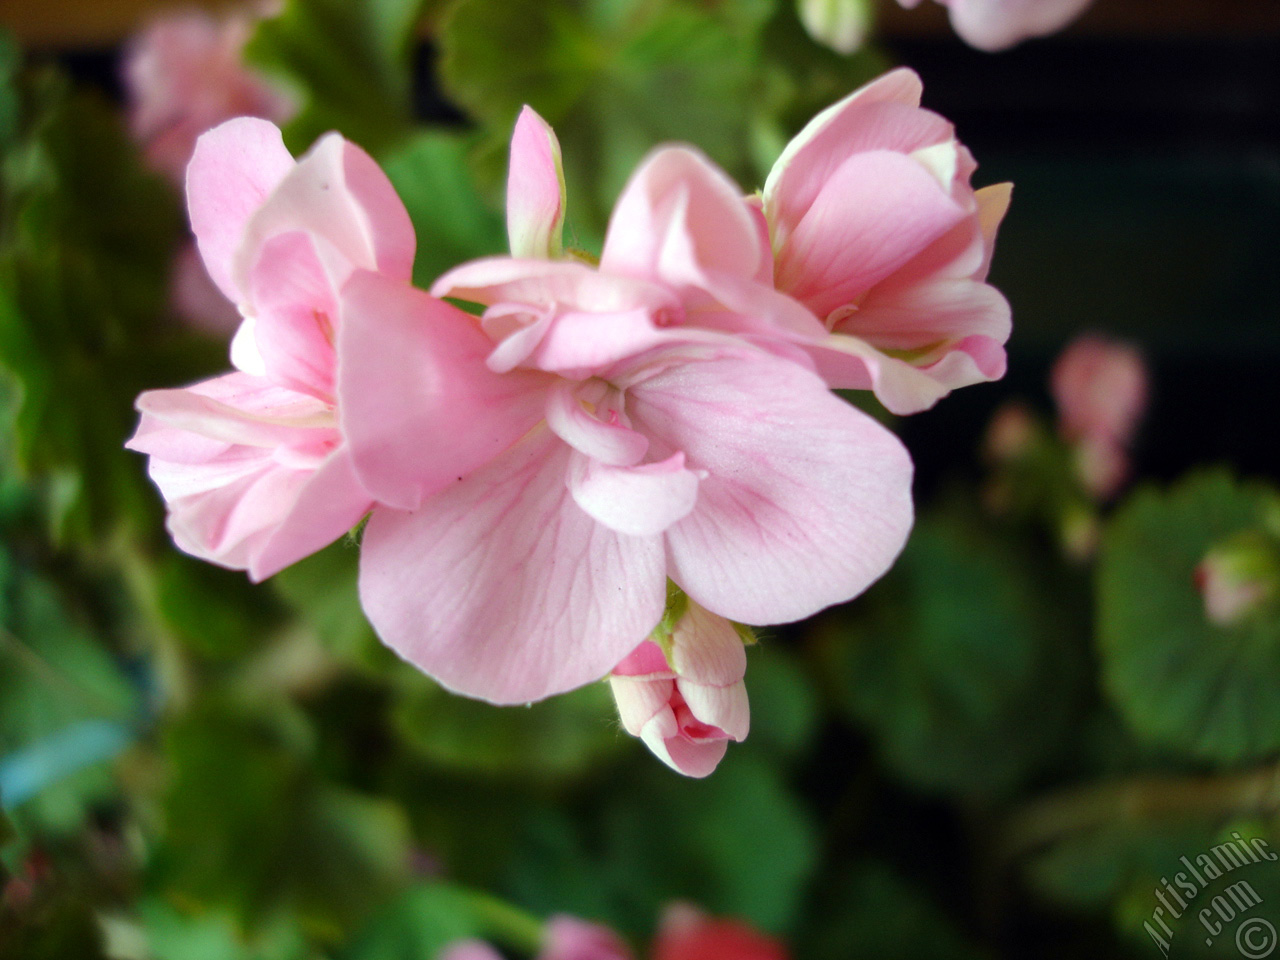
[545, 470]
[686, 933]
[1101, 390]
[253, 465]
[185, 74]
[875, 229]
[993, 25]
[686, 698]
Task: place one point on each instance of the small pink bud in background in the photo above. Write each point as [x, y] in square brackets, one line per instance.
[568, 938]
[1010, 433]
[469, 950]
[1238, 577]
[1101, 389]
[686, 705]
[185, 74]
[686, 933]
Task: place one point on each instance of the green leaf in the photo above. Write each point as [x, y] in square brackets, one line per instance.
[555, 738]
[784, 709]
[615, 78]
[321, 589]
[738, 843]
[1178, 680]
[961, 663]
[170, 931]
[435, 178]
[84, 265]
[868, 910]
[250, 825]
[348, 62]
[427, 918]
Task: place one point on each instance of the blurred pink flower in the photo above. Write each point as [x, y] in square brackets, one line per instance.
[688, 702]
[568, 938]
[469, 950]
[252, 464]
[1101, 389]
[185, 74]
[876, 230]
[197, 300]
[686, 933]
[592, 450]
[993, 25]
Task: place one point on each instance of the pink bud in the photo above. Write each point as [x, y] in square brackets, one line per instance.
[568, 938]
[688, 704]
[1101, 389]
[1010, 434]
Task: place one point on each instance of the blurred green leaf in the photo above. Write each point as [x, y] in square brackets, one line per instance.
[207, 934]
[322, 590]
[961, 662]
[216, 612]
[55, 676]
[348, 62]
[738, 843]
[429, 917]
[554, 738]
[1177, 679]
[615, 78]
[250, 825]
[784, 708]
[85, 243]
[868, 910]
[433, 175]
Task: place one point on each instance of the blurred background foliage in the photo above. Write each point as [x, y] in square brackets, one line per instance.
[999, 751]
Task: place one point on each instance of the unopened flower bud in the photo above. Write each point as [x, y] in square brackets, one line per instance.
[688, 700]
[841, 25]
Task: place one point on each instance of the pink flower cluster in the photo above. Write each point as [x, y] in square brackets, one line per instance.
[535, 476]
[684, 933]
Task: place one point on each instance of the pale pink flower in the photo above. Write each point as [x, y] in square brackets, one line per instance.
[568, 938]
[252, 464]
[545, 471]
[688, 701]
[993, 25]
[875, 229]
[185, 74]
[1101, 390]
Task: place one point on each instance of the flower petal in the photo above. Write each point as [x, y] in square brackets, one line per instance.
[641, 501]
[233, 170]
[535, 189]
[419, 407]
[807, 500]
[500, 586]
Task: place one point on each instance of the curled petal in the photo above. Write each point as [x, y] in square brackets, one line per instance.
[641, 501]
[608, 443]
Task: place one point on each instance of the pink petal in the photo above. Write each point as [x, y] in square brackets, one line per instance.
[567, 283]
[611, 443]
[707, 650]
[339, 194]
[327, 505]
[807, 500]
[917, 317]
[850, 363]
[725, 708]
[877, 211]
[568, 938]
[419, 408]
[641, 501]
[233, 170]
[640, 700]
[882, 115]
[693, 758]
[295, 313]
[679, 215]
[993, 25]
[646, 660]
[535, 189]
[501, 588]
